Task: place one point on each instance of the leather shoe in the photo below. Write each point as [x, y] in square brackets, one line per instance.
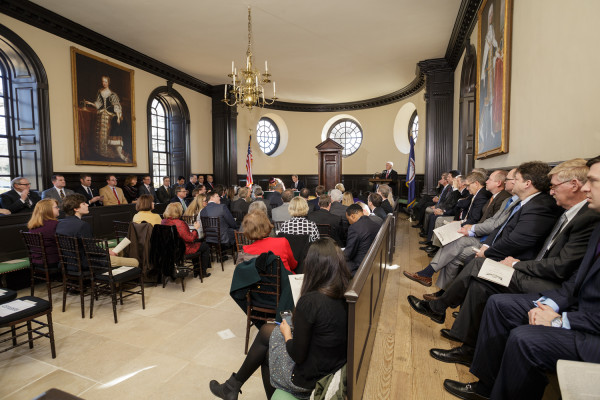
[430, 296]
[446, 334]
[425, 242]
[417, 225]
[463, 390]
[459, 355]
[417, 278]
[423, 234]
[455, 314]
[430, 248]
[422, 307]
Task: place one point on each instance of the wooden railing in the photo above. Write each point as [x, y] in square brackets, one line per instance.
[364, 298]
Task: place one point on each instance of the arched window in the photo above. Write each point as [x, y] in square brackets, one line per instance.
[168, 135]
[25, 147]
[160, 144]
[348, 133]
[267, 135]
[413, 127]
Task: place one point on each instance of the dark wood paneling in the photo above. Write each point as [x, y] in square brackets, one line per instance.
[224, 139]
[466, 113]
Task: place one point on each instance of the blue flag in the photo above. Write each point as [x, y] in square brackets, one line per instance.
[410, 176]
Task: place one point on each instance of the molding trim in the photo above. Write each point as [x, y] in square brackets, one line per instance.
[463, 26]
[42, 18]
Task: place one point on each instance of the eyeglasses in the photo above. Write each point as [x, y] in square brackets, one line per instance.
[553, 187]
[23, 184]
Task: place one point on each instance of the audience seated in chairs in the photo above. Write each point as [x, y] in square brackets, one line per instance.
[75, 206]
[323, 216]
[282, 213]
[172, 216]
[375, 201]
[313, 204]
[258, 196]
[144, 207]
[367, 211]
[522, 336]
[20, 198]
[388, 203]
[214, 209]
[299, 224]
[361, 233]
[196, 205]
[130, 189]
[320, 333]
[239, 207]
[257, 227]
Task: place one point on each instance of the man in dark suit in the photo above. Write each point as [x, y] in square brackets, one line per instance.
[361, 233]
[323, 216]
[512, 357]
[495, 184]
[258, 196]
[147, 188]
[337, 208]
[438, 201]
[275, 198]
[214, 208]
[374, 202]
[390, 173]
[296, 184]
[58, 191]
[180, 183]
[313, 205]
[20, 198]
[522, 234]
[192, 184]
[558, 259]
[240, 206]
[165, 193]
[86, 190]
[181, 197]
[210, 186]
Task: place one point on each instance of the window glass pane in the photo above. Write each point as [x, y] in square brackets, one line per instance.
[2, 126]
[4, 166]
[4, 184]
[160, 110]
[153, 121]
[155, 158]
[267, 135]
[161, 146]
[155, 170]
[3, 147]
[161, 134]
[161, 122]
[347, 133]
[163, 170]
[154, 103]
[162, 158]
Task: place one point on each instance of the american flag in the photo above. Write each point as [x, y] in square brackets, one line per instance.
[249, 181]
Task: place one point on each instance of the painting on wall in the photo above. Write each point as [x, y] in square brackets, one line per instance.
[103, 111]
[493, 77]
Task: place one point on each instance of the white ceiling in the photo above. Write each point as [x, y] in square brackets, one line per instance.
[326, 51]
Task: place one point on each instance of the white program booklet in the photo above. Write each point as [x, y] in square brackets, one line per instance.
[496, 272]
[296, 285]
[122, 244]
[15, 306]
[120, 270]
[448, 233]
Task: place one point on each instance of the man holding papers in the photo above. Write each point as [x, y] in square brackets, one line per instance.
[523, 335]
[556, 260]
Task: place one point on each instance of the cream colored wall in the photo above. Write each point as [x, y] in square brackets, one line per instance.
[304, 133]
[554, 90]
[54, 52]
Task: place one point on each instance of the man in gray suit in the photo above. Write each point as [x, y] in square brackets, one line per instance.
[147, 188]
[58, 191]
[450, 258]
[281, 213]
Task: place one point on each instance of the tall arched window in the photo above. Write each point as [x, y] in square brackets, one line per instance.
[267, 135]
[413, 127]
[348, 133]
[168, 135]
[160, 142]
[25, 146]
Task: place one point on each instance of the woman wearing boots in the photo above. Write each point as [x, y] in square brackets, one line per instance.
[295, 361]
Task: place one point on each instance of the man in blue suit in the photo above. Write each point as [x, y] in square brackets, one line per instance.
[522, 336]
[214, 208]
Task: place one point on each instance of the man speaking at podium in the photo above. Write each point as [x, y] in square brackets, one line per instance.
[390, 173]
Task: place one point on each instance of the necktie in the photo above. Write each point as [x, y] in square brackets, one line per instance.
[513, 212]
[183, 205]
[62, 194]
[387, 174]
[89, 190]
[550, 240]
[116, 195]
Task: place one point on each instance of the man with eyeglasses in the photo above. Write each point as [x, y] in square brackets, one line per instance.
[20, 198]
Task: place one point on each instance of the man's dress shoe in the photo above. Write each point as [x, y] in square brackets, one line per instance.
[446, 334]
[422, 307]
[459, 355]
[417, 278]
[417, 225]
[463, 390]
[430, 296]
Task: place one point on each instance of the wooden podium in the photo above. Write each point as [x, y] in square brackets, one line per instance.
[379, 181]
[330, 163]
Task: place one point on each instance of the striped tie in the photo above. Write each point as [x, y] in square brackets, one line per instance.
[62, 194]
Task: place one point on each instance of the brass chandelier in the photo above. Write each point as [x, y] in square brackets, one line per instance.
[249, 90]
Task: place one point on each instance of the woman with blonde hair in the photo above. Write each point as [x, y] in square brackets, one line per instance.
[144, 208]
[199, 251]
[299, 224]
[44, 220]
[257, 227]
[196, 205]
[340, 187]
[347, 199]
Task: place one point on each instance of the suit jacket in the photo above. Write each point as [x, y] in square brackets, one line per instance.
[493, 207]
[240, 206]
[177, 200]
[52, 193]
[79, 189]
[142, 190]
[525, 232]
[360, 236]
[339, 209]
[444, 193]
[580, 298]
[189, 186]
[12, 201]
[322, 216]
[299, 187]
[563, 257]
[275, 199]
[475, 208]
[486, 227]
[394, 177]
[74, 227]
[164, 195]
[109, 196]
[387, 207]
[225, 218]
[281, 213]
[209, 186]
[449, 205]
[380, 213]
[313, 205]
